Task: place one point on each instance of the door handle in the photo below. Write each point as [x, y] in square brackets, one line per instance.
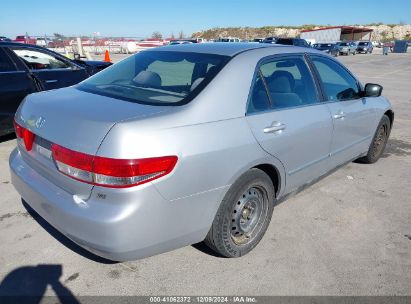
[275, 127]
[51, 81]
[339, 115]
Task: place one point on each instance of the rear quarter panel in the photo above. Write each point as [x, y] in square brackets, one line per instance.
[210, 155]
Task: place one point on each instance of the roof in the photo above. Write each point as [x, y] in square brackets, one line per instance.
[11, 43]
[217, 48]
[343, 27]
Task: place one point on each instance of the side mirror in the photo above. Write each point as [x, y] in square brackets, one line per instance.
[372, 90]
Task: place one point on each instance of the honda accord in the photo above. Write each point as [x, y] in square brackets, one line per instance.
[181, 144]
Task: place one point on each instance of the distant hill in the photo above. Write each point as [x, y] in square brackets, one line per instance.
[382, 32]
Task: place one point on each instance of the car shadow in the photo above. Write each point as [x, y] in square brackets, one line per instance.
[7, 137]
[63, 239]
[207, 250]
[28, 284]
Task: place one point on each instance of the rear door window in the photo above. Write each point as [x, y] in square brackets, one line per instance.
[288, 81]
[259, 100]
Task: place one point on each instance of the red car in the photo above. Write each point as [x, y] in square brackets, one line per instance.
[25, 39]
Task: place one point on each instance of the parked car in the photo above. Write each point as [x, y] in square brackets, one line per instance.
[46, 42]
[365, 47]
[26, 69]
[25, 39]
[329, 48]
[172, 42]
[3, 38]
[137, 161]
[347, 47]
[228, 39]
[270, 39]
[293, 41]
[377, 44]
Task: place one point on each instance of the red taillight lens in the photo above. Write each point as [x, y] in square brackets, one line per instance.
[25, 134]
[110, 172]
[18, 129]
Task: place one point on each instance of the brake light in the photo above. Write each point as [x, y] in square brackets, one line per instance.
[25, 134]
[111, 172]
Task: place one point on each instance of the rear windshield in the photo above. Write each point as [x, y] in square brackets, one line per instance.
[156, 77]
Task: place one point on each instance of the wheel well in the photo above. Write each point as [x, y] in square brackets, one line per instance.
[390, 115]
[272, 172]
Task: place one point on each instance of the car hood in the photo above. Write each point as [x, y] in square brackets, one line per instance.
[95, 63]
[76, 119]
[93, 67]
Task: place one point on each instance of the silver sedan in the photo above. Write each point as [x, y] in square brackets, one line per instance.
[181, 144]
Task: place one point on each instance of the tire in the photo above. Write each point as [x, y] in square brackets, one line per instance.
[243, 216]
[379, 142]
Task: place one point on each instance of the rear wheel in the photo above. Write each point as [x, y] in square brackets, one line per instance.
[379, 141]
[243, 216]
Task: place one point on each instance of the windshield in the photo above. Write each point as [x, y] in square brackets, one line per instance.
[343, 43]
[326, 45]
[363, 43]
[156, 77]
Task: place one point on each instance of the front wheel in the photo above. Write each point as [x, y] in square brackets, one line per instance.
[379, 141]
[243, 216]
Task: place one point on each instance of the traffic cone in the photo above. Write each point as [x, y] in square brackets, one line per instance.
[107, 56]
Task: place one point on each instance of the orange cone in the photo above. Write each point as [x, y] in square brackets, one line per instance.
[107, 56]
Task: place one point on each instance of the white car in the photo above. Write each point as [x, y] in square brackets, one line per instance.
[43, 42]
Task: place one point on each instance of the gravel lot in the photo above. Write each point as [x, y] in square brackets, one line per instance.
[349, 234]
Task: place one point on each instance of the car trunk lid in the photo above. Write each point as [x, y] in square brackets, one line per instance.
[73, 119]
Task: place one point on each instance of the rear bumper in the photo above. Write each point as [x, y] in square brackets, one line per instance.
[127, 224]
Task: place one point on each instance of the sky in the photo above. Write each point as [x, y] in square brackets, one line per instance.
[134, 18]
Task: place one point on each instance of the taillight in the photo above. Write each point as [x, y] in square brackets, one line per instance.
[26, 135]
[111, 172]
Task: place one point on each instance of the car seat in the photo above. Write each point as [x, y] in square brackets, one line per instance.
[281, 85]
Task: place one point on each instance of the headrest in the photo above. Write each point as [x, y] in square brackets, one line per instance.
[212, 69]
[281, 82]
[148, 78]
[196, 83]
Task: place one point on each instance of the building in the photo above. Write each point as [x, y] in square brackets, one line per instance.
[336, 33]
